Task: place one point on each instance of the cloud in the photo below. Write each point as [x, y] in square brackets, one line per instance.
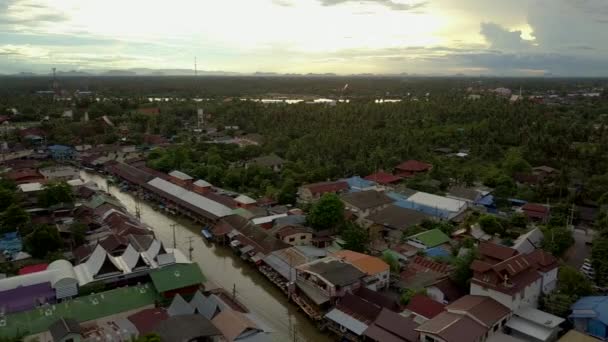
[501, 38]
[23, 51]
[392, 4]
[28, 13]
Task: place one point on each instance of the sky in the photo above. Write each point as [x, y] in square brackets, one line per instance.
[437, 37]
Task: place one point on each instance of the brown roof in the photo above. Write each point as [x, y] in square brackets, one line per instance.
[378, 298]
[489, 250]
[286, 231]
[425, 306]
[146, 320]
[453, 327]
[397, 217]
[544, 260]
[325, 187]
[392, 327]
[366, 199]
[232, 324]
[513, 266]
[413, 166]
[358, 308]
[421, 263]
[366, 263]
[484, 309]
[449, 289]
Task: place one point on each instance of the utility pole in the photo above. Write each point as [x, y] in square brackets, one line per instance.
[190, 248]
[173, 225]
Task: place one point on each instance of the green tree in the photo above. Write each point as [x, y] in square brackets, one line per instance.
[56, 193]
[327, 213]
[599, 250]
[557, 240]
[462, 272]
[491, 225]
[518, 220]
[557, 303]
[287, 193]
[514, 162]
[78, 231]
[14, 218]
[151, 337]
[7, 198]
[573, 282]
[42, 241]
[355, 237]
[392, 261]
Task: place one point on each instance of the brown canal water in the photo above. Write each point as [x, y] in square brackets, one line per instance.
[220, 265]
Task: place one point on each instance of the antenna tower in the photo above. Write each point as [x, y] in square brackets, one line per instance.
[195, 67]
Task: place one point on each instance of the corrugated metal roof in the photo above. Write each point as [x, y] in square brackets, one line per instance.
[346, 321]
[191, 198]
[438, 202]
[180, 175]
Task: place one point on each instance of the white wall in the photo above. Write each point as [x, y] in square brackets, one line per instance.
[549, 281]
[530, 295]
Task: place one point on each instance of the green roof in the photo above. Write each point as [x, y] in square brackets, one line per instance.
[100, 199]
[243, 213]
[82, 309]
[431, 238]
[177, 276]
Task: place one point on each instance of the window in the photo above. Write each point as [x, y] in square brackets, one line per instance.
[292, 239]
[496, 327]
[428, 338]
[504, 321]
[302, 237]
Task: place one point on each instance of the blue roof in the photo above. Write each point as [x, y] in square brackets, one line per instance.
[516, 201]
[11, 242]
[358, 182]
[437, 252]
[598, 304]
[487, 200]
[59, 148]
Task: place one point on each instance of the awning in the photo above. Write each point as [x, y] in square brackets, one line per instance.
[235, 243]
[313, 293]
[246, 249]
[206, 234]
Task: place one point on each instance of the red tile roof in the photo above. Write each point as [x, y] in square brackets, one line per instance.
[539, 208]
[149, 111]
[383, 178]
[414, 166]
[544, 260]
[146, 320]
[325, 187]
[23, 175]
[33, 269]
[425, 306]
[484, 309]
[489, 250]
[421, 263]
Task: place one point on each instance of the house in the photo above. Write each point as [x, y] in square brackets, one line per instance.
[422, 272]
[529, 242]
[273, 162]
[470, 318]
[465, 194]
[357, 183]
[412, 168]
[60, 173]
[61, 152]
[383, 178]
[530, 324]
[390, 326]
[176, 279]
[187, 328]
[180, 178]
[146, 320]
[201, 186]
[444, 291]
[536, 212]
[492, 253]
[23, 176]
[395, 219]
[312, 192]
[428, 239]
[295, 235]
[66, 330]
[376, 269]
[327, 279]
[365, 203]
[547, 266]
[235, 326]
[513, 282]
[351, 317]
[590, 316]
[438, 206]
[423, 308]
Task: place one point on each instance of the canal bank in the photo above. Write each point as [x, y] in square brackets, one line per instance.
[224, 268]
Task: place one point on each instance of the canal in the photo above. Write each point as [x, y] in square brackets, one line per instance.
[224, 268]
